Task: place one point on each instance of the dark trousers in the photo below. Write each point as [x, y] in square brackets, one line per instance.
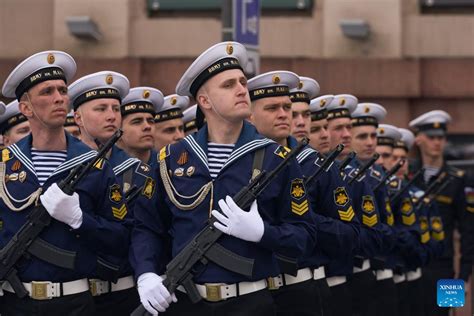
[80, 304]
[117, 303]
[341, 300]
[415, 293]
[403, 306]
[324, 296]
[258, 303]
[362, 286]
[300, 299]
[386, 301]
[429, 280]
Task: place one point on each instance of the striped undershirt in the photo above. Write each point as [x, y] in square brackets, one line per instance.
[45, 162]
[217, 155]
[429, 173]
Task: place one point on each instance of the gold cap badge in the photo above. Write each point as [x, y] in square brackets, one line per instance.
[146, 94]
[229, 49]
[50, 59]
[109, 79]
[276, 79]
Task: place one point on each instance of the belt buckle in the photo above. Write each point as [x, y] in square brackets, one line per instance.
[93, 287]
[39, 290]
[213, 292]
[271, 284]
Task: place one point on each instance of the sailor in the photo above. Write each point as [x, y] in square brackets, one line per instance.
[96, 100]
[273, 113]
[455, 206]
[138, 122]
[169, 120]
[13, 124]
[371, 235]
[201, 173]
[82, 223]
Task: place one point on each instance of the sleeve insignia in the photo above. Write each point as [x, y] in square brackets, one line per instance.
[437, 228]
[297, 190]
[143, 169]
[348, 215]
[99, 164]
[6, 155]
[368, 205]
[388, 209]
[115, 194]
[423, 224]
[406, 206]
[148, 188]
[120, 212]
[282, 151]
[164, 152]
[341, 198]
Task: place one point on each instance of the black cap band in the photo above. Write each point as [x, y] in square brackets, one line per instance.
[137, 107]
[168, 115]
[385, 141]
[432, 126]
[51, 73]
[274, 91]
[12, 121]
[401, 144]
[70, 121]
[218, 67]
[320, 115]
[102, 93]
[339, 113]
[365, 120]
[190, 125]
[299, 97]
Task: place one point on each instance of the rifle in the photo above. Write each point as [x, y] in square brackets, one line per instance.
[396, 197]
[431, 188]
[26, 241]
[131, 194]
[326, 163]
[346, 161]
[390, 173]
[361, 171]
[204, 247]
[427, 201]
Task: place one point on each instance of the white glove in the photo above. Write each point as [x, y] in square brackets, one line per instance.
[153, 294]
[62, 207]
[238, 223]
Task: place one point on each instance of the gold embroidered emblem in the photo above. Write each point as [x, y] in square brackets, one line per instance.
[115, 194]
[149, 188]
[297, 190]
[341, 198]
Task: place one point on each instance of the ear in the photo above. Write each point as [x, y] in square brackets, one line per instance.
[6, 139]
[418, 140]
[78, 118]
[26, 108]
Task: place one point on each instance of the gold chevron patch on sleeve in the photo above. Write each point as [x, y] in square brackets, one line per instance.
[346, 216]
[408, 220]
[438, 236]
[299, 208]
[425, 237]
[119, 212]
[369, 220]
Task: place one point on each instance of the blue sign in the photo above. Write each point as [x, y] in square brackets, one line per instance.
[450, 293]
[246, 22]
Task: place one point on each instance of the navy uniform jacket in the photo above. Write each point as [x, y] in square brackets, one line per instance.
[289, 228]
[100, 233]
[456, 212]
[412, 250]
[372, 231]
[337, 226]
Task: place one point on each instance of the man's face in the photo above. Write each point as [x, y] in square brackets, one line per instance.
[385, 159]
[16, 133]
[319, 137]
[301, 123]
[99, 118]
[340, 133]
[226, 96]
[138, 131]
[364, 141]
[73, 130]
[168, 132]
[432, 146]
[46, 103]
[272, 117]
[398, 154]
